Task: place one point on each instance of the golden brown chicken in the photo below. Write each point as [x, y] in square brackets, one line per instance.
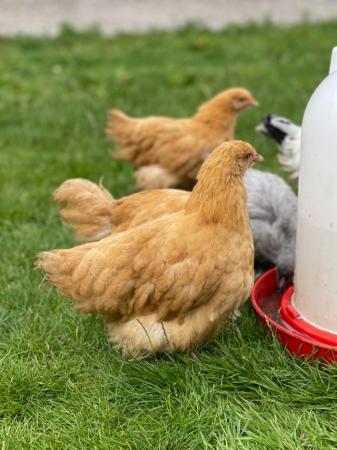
[169, 152]
[169, 284]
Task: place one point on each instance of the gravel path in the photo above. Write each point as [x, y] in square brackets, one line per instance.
[38, 17]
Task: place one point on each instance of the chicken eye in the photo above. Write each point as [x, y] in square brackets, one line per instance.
[241, 99]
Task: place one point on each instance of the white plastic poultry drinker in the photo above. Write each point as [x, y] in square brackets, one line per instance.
[316, 253]
[306, 320]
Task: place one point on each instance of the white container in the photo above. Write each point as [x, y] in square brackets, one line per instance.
[316, 253]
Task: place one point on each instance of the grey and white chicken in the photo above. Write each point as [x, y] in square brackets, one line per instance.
[272, 208]
[288, 138]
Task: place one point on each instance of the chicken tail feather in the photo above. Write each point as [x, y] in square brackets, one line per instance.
[54, 265]
[63, 269]
[85, 207]
[118, 126]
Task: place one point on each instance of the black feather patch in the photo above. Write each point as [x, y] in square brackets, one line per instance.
[272, 131]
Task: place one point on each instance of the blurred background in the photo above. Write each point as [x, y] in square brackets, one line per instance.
[37, 17]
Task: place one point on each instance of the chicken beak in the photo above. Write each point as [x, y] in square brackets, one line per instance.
[252, 102]
[258, 158]
[261, 128]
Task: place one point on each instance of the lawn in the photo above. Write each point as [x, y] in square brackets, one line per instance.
[62, 386]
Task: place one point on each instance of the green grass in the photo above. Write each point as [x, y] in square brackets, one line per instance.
[62, 386]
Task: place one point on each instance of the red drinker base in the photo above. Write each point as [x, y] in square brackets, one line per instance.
[280, 317]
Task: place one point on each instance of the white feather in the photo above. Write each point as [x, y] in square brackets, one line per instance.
[290, 147]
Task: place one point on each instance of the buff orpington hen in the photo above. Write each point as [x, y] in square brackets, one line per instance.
[168, 152]
[169, 284]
